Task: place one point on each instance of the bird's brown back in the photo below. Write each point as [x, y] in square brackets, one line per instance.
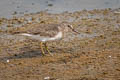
[48, 30]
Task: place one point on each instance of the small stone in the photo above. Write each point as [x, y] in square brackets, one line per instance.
[8, 61]
[109, 56]
[15, 12]
[33, 3]
[50, 4]
[46, 78]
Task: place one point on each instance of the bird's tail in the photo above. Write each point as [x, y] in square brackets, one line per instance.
[25, 34]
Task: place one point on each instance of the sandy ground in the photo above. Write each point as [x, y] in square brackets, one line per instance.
[92, 55]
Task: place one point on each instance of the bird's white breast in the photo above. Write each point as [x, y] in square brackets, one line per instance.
[58, 36]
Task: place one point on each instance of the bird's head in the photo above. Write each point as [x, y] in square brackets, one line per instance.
[69, 26]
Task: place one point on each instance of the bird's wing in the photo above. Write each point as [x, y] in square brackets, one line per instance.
[48, 30]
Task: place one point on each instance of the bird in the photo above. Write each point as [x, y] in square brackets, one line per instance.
[47, 32]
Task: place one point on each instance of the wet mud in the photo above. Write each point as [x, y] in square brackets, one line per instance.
[94, 54]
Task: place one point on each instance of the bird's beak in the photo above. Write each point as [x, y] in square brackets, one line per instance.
[75, 31]
[71, 27]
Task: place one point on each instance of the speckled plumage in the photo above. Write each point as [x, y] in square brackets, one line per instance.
[44, 31]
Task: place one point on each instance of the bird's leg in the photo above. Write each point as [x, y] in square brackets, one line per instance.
[46, 47]
[41, 46]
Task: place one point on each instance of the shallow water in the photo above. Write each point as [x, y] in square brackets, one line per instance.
[9, 7]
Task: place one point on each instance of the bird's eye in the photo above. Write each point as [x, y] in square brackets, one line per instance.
[70, 26]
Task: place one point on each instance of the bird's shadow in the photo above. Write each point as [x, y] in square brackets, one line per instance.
[27, 54]
[33, 53]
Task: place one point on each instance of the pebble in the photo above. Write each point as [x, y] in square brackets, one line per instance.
[110, 56]
[8, 61]
[46, 78]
